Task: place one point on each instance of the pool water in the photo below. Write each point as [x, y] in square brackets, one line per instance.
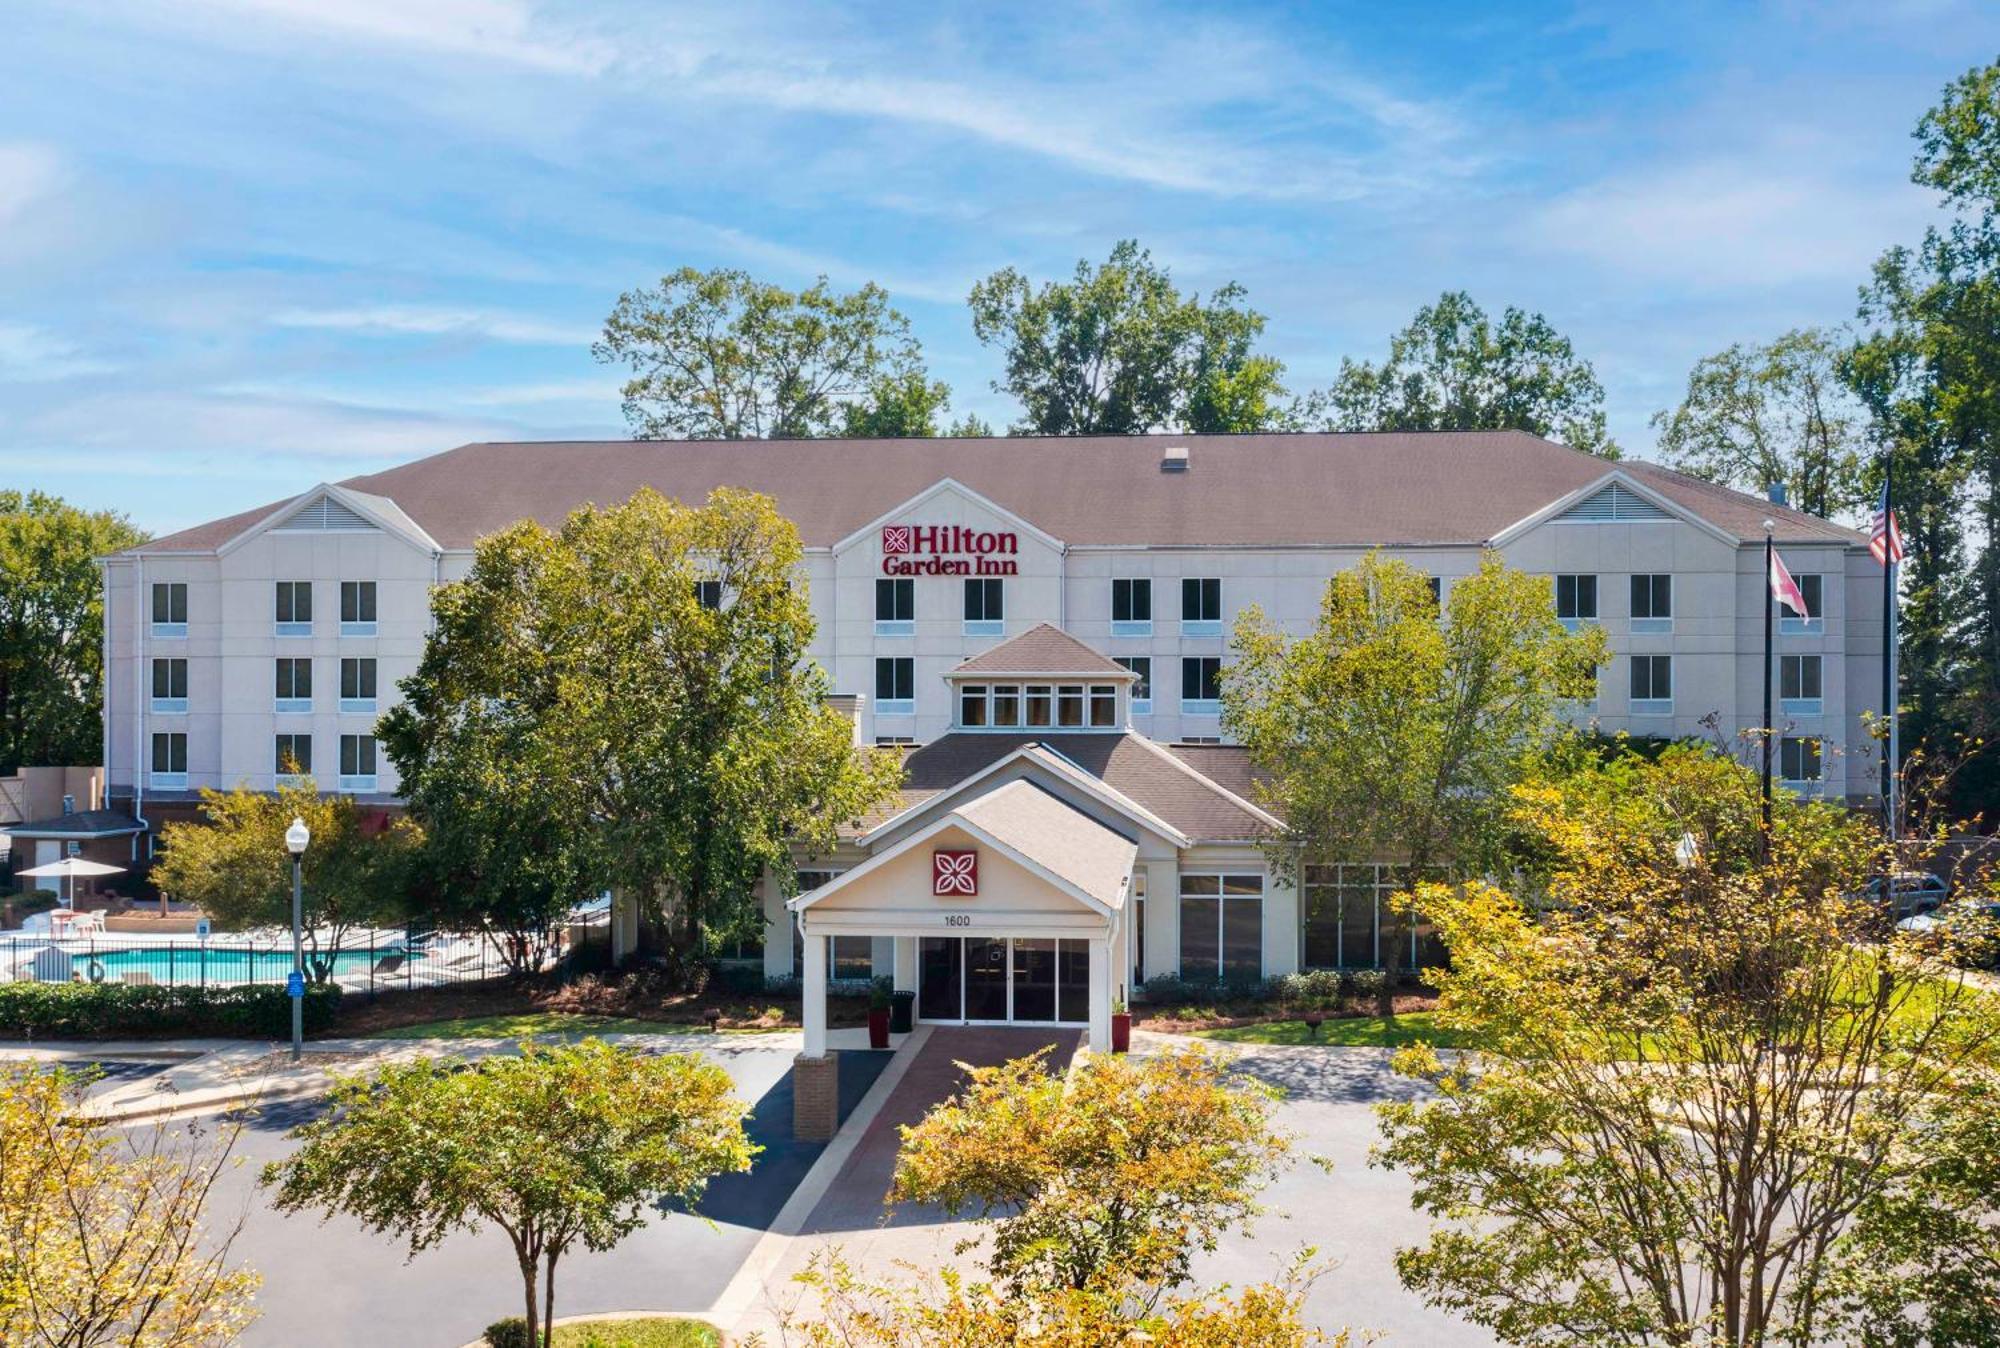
[171, 963]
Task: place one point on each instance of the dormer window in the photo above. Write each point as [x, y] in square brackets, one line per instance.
[1037, 706]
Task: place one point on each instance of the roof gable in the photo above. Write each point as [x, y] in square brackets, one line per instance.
[333, 508]
[1614, 503]
[1043, 649]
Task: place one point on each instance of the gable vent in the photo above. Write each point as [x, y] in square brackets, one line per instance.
[1174, 459]
[325, 513]
[1616, 504]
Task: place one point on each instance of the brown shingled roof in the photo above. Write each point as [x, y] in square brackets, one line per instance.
[1043, 649]
[1358, 489]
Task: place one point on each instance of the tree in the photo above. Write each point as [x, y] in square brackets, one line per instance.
[641, 673]
[720, 355]
[1394, 732]
[103, 1238]
[1104, 1179]
[1776, 413]
[969, 427]
[52, 629]
[1703, 1069]
[554, 1146]
[233, 865]
[1453, 370]
[1118, 350]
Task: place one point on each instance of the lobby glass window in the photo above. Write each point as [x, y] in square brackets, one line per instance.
[357, 684]
[1138, 927]
[1799, 684]
[1103, 704]
[895, 606]
[357, 608]
[357, 762]
[985, 606]
[294, 608]
[895, 684]
[1652, 683]
[294, 756]
[1345, 918]
[1576, 599]
[1201, 606]
[1142, 691]
[708, 593]
[1436, 584]
[1652, 603]
[972, 705]
[294, 684]
[1222, 927]
[1069, 704]
[1201, 680]
[1007, 704]
[170, 758]
[1041, 705]
[1131, 606]
[170, 609]
[1799, 758]
[170, 686]
[853, 957]
[1813, 589]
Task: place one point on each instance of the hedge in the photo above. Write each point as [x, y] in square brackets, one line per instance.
[126, 1011]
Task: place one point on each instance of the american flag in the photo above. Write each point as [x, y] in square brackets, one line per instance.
[1885, 539]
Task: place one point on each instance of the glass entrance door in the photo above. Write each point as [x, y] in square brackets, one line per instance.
[1026, 979]
[1034, 980]
[941, 978]
[985, 979]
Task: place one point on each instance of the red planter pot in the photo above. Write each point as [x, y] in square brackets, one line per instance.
[878, 1027]
[1121, 1032]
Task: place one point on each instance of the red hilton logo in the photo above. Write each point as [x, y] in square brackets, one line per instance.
[955, 873]
[947, 550]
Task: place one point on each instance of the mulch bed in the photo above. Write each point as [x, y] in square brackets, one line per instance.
[1186, 1019]
[635, 996]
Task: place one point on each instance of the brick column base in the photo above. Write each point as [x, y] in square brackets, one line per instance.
[815, 1097]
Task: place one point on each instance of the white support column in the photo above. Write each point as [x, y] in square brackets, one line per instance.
[812, 997]
[906, 963]
[1100, 994]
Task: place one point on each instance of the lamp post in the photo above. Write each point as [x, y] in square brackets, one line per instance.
[296, 838]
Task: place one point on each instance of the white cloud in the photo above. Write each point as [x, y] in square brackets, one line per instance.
[390, 320]
[29, 353]
[28, 173]
[502, 30]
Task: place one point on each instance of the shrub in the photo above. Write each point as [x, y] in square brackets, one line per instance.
[121, 1010]
[1313, 988]
[1365, 984]
[736, 980]
[509, 1333]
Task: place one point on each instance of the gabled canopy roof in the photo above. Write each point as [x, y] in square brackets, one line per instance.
[1043, 649]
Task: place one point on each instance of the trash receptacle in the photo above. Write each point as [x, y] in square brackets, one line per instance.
[902, 1012]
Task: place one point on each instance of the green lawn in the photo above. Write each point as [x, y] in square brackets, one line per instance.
[661, 1333]
[1348, 1032]
[524, 1024]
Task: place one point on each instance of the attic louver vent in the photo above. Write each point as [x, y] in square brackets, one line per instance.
[1614, 505]
[325, 513]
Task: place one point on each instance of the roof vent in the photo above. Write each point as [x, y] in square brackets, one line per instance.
[1776, 491]
[1613, 504]
[1174, 459]
[325, 513]
[69, 805]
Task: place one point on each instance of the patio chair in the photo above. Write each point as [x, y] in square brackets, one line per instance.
[388, 964]
[138, 978]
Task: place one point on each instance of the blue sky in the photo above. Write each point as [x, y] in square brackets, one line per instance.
[250, 245]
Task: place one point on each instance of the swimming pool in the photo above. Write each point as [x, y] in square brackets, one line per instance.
[190, 963]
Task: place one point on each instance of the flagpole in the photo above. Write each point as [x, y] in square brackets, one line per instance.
[1769, 606]
[1892, 749]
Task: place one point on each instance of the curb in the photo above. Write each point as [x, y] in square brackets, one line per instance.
[612, 1317]
[171, 1107]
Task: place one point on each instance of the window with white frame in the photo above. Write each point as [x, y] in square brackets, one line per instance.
[1131, 606]
[1799, 758]
[1812, 588]
[1201, 606]
[1142, 687]
[293, 757]
[357, 684]
[895, 606]
[170, 686]
[1007, 706]
[1201, 684]
[170, 758]
[1652, 603]
[294, 684]
[1576, 600]
[985, 606]
[895, 685]
[357, 608]
[708, 594]
[170, 609]
[1652, 684]
[1346, 920]
[1222, 926]
[1799, 684]
[357, 762]
[294, 608]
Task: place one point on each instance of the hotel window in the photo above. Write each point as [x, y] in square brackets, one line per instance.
[357, 684]
[1222, 927]
[1812, 588]
[294, 756]
[295, 685]
[1798, 758]
[708, 593]
[1652, 684]
[894, 741]
[1201, 606]
[1345, 917]
[1799, 684]
[985, 607]
[1069, 704]
[1652, 603]
[1131, 607]
[853, 957]
[1103, 704]
[170, 609]
[1436, 584]
[895, 685]
[1040, 705]
[170, 759]
[294, 611]
[357, 608]
[1138, 894]
[1007, 704]
[895, 607]
[1142, 691]
[972, 705]
[357, 762]
[170, 686]
[1201, 678]
[1576, 600]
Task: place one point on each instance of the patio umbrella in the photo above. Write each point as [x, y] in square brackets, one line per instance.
[73, 867]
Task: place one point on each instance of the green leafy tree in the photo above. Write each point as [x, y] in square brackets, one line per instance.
[1120, 350]
[1107, 1178]
[1394, 732]
[233, 865]
[52, 628]
[642, 672]
[1453, 369]
[1754, 415]
[556, 1147]
[1706, 1080]
[721, 355]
